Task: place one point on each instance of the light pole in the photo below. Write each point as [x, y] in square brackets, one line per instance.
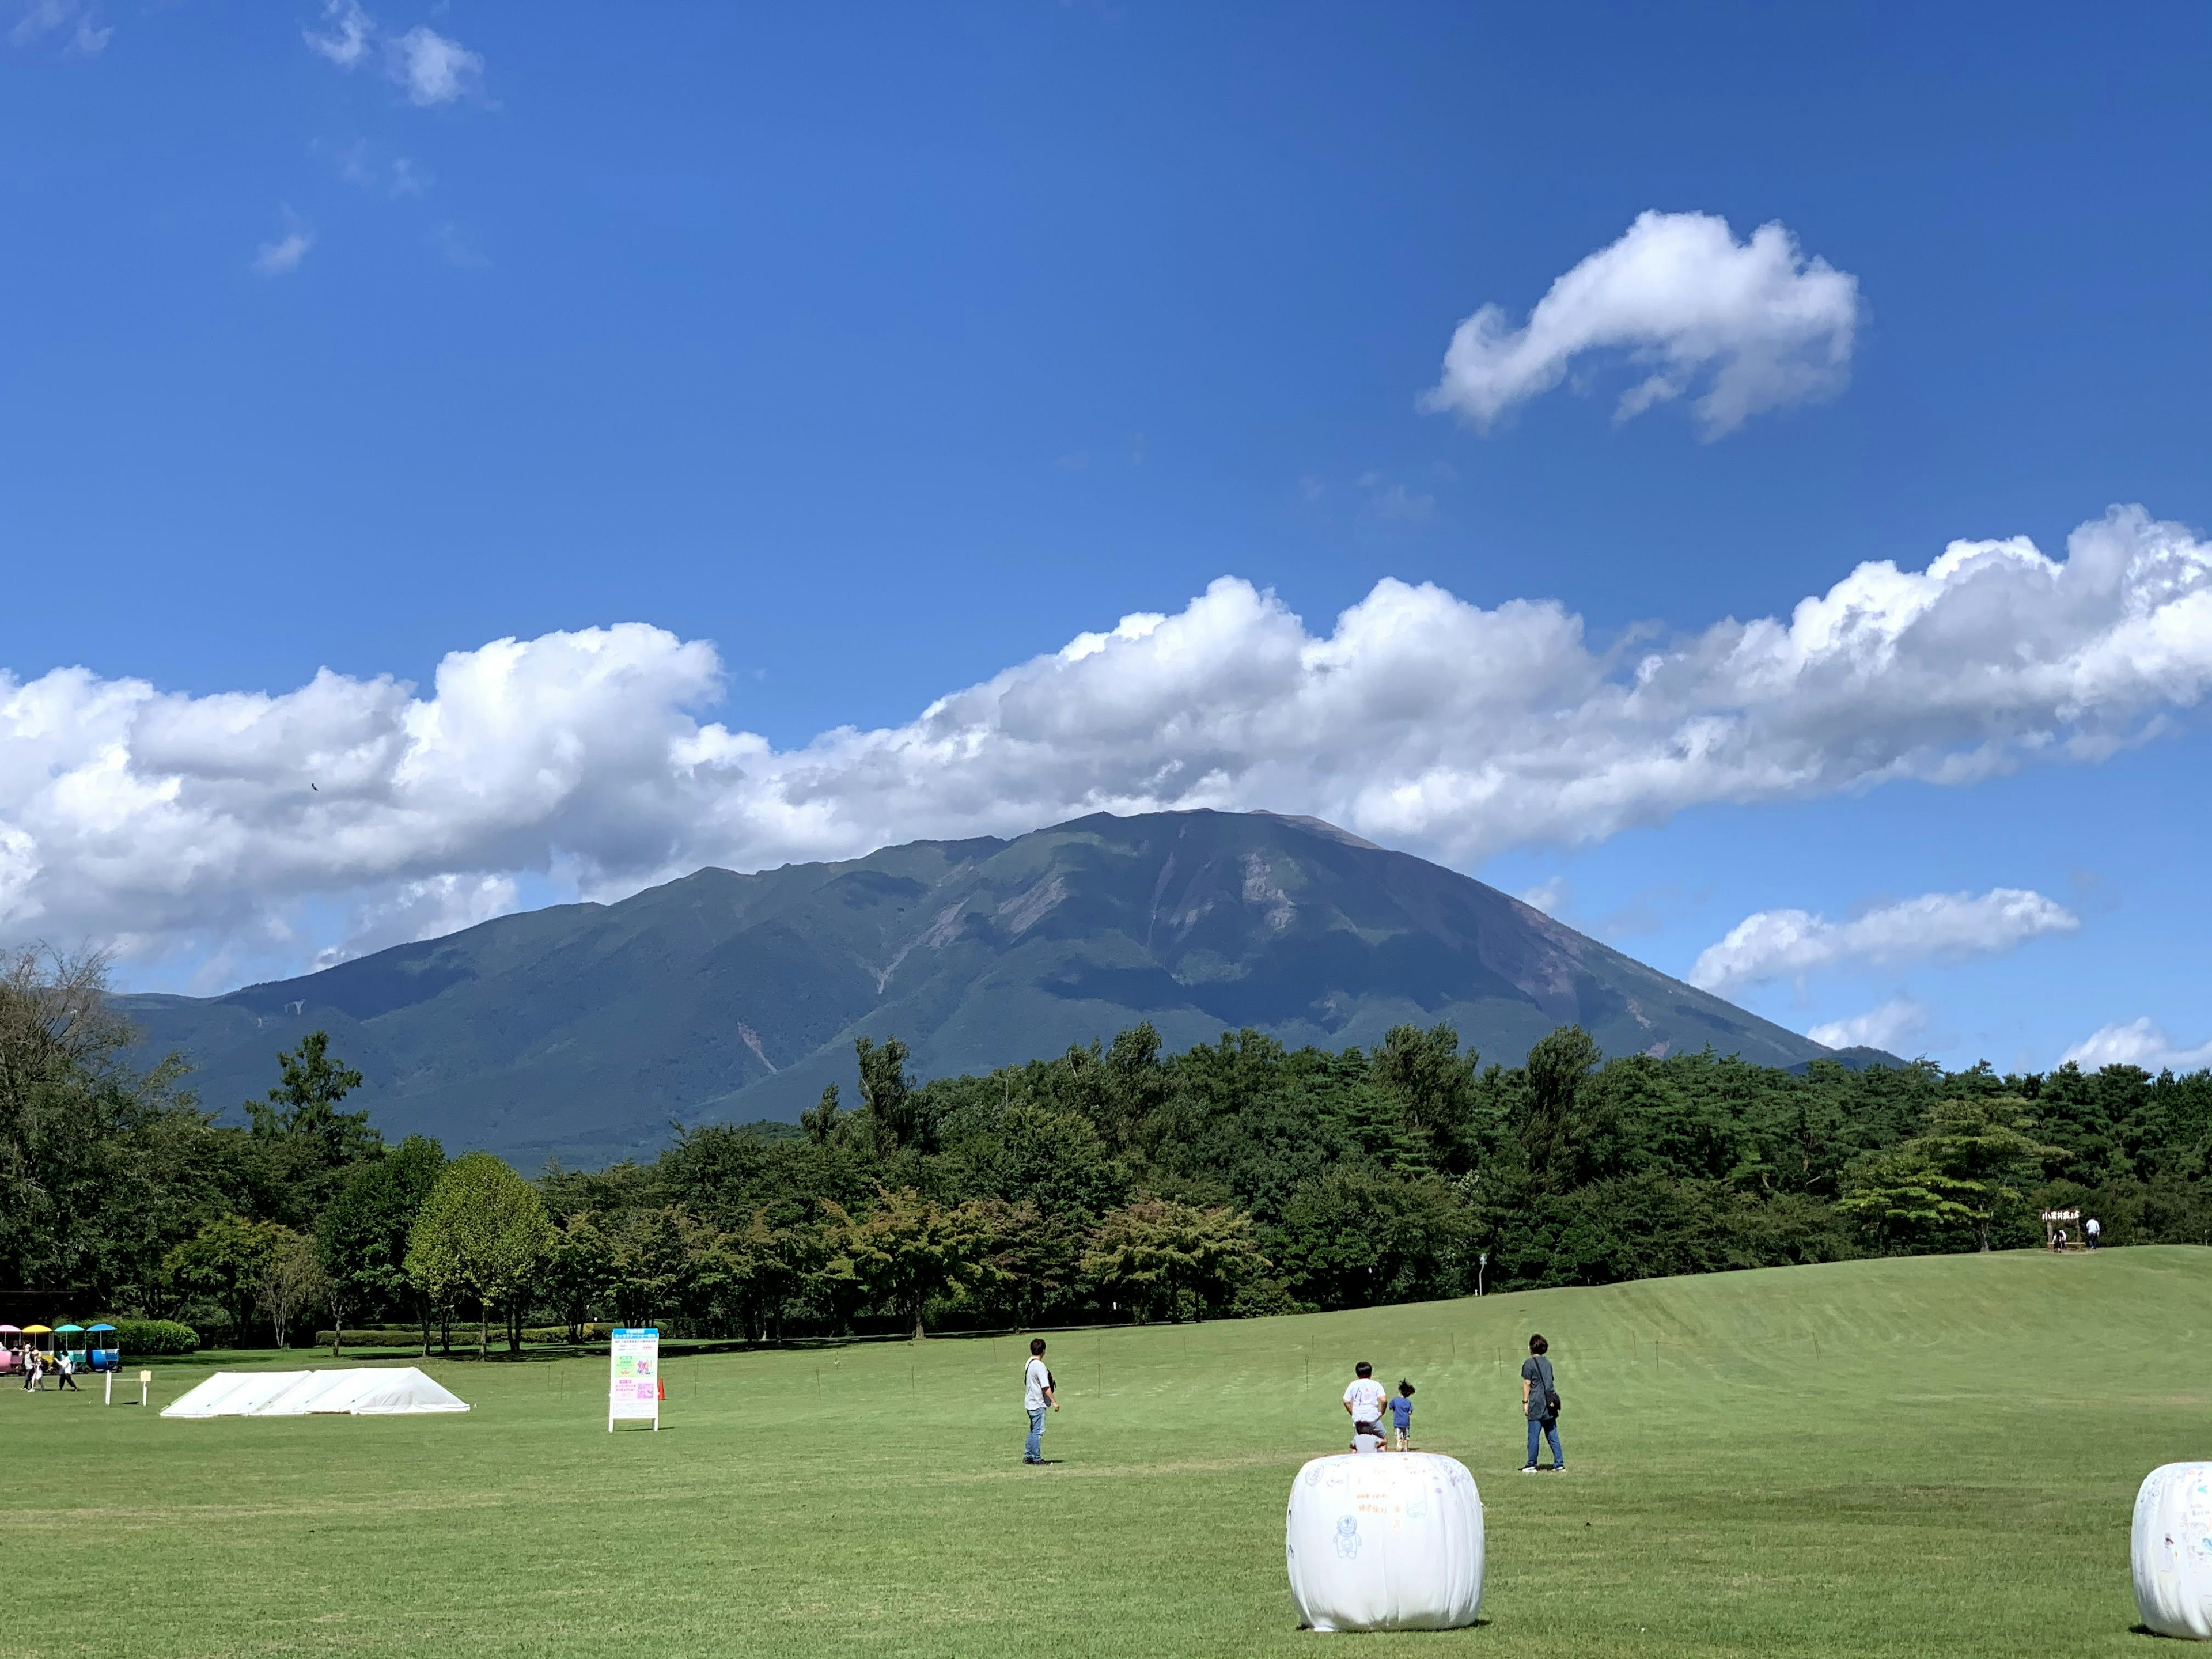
[1481, 1266]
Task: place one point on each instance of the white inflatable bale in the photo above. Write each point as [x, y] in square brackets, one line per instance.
[1390, 1540]
[2171, 1550]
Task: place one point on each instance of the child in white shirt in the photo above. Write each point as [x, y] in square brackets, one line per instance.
[1363, 1402]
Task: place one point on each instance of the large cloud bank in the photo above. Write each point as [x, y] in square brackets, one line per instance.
[2139, 1042]
[1755, 324]
[365, 810]
[1891, 1026]
[1771, 944]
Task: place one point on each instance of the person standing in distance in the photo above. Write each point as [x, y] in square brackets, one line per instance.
[1363, 1400]
[2093, 1233]
[1538, 1393]
[1038, 1395]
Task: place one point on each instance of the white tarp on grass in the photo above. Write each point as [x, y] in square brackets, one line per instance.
[368, 1391]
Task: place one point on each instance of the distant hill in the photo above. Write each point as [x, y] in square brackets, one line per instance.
[579, 1032]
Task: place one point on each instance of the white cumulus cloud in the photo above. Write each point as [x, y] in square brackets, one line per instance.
[434, 68]
[2138, 1042]
[1771, 944]
[86, 36]
[1891, 1026]
[345, 38]
[1553, 895]
[281, 256]
[1417, 720]
[428, 909]
[1753, 325]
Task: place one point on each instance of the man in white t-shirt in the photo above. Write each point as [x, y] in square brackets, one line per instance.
[1037, 1396]
[1363, 1400]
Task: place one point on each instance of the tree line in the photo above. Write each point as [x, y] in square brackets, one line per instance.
[1111, 1182]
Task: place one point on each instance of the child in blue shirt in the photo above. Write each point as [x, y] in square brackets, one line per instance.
[1401, 1418]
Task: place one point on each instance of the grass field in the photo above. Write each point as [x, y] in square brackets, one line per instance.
[1933, 1456]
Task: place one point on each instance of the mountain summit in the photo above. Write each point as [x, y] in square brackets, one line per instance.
[579, 1030]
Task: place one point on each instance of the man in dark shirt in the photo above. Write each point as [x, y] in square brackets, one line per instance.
[1536, 1389]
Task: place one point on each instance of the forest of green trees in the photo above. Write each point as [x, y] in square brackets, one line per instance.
[1110, 1184]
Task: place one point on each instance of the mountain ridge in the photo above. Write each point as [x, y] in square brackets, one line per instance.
[579, 1031]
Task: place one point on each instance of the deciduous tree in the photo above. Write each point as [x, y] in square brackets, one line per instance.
[1029, 1260]
[225, 1262]
[361, 1238]
[758, 1266]
[906, 1249]
[580, 1269]
[1154, 1249]
[659, 1254]
[289, 1282]
[1355, 1238]
[481, 1238]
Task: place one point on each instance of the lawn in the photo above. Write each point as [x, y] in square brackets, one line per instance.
[1933, 1456]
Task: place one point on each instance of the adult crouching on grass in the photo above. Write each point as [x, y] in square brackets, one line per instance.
[1540, 1403]
[1037, 1395]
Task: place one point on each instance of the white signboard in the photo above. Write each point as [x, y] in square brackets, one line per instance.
[633, 1383]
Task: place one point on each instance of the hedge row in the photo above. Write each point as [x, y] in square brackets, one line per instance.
[147, 1338]
[411, 1337]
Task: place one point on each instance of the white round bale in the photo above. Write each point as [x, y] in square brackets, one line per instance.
[2173, 1550]
[1385, 1540]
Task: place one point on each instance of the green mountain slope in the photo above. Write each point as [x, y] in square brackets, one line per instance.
[579, 1030]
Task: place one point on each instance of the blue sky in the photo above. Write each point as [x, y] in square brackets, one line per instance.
[887, 348]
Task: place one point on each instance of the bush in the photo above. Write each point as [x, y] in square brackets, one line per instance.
[410, 1336]
[145, 1339]
[558, 1334]
[212, 1320]
[1256, 1298]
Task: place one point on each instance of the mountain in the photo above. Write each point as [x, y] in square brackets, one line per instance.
[579, 1032]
